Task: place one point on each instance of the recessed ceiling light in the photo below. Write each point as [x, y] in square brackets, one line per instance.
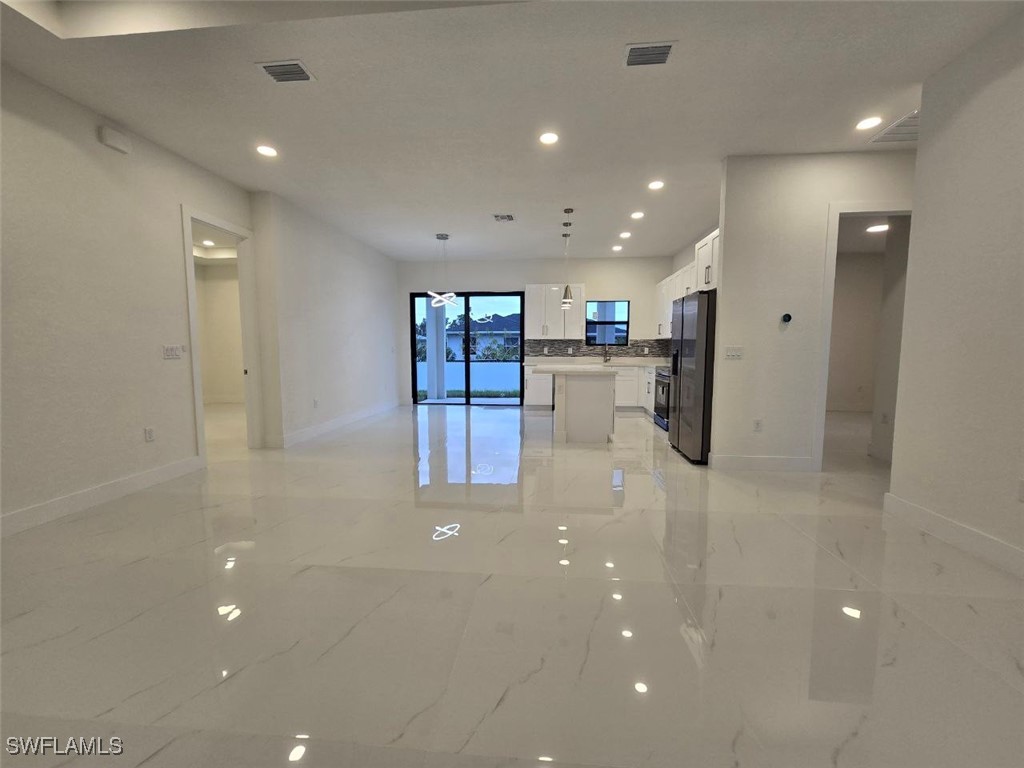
[563, 527]
[656, 184]
[878, 228]
[563, 541]
[609, 565]
[548, 138]
[616, 247]
[208, 243]
[640, 687]
[563, 562]
[266, 151]
[627, 633]
[853, 613]
[636, 215]
[296, 754]
[545, 759]
[301, 735]
[625, 235]
[616, 596]
[869, 122]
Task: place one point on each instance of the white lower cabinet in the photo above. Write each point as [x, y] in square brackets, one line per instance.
[626, 386]
[538, 388]
[645, 394]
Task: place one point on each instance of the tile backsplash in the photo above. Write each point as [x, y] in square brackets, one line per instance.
[635, 348]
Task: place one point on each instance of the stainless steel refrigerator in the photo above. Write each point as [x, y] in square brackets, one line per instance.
[693, 366]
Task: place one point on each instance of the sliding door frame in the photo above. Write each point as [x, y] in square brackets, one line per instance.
[467, 297]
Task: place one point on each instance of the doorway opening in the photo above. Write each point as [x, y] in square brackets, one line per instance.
[864, 340]
[223, 336]
[469, 351]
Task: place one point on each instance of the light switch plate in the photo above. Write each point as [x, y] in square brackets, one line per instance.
[733, 353]
[173, 351]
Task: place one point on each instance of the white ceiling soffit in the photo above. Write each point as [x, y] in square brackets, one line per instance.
[854, 237]
[419, 123]
[101, 18]
[201, 231]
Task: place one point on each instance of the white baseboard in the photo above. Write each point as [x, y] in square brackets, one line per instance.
[308, 433]
[28, 517]
[999, 553]
[731, 463]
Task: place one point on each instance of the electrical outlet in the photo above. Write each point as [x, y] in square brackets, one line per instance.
[570, 350]
[148, 434]
[758, 425]
[545, 350]
[647, 350]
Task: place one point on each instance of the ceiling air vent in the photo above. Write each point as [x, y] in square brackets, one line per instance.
[291, 71]
[640, 54]
[904, 129]
[504, 217]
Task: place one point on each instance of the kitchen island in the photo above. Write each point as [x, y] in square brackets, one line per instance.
[584, 400]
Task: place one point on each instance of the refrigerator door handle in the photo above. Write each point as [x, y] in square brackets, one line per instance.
[675, 362]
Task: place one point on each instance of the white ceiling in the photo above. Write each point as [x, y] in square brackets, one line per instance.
[202, 231]
[427, 122]
[853, 236]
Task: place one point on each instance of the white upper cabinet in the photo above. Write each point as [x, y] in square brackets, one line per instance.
[701, 274]
[663, 309]
[708, 256]
[575, 317]
[545, 318]
[534, 310]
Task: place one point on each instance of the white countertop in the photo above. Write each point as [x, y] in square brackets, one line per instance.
[576, 370]
[648, 361]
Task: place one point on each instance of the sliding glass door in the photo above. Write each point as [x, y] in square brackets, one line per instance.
[469, 351]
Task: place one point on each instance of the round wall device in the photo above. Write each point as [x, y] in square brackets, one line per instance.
[787, 317]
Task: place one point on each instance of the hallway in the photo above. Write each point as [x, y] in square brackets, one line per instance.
[446, 587]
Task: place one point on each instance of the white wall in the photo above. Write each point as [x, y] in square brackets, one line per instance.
[633, 279]
[856, 309]
[94, 283]
[220, 332]
[337, 321]
[957, 455]
[775, 212]
[889, 339]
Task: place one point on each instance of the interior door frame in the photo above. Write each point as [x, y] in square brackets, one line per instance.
[899, 207]
[249, 327]
[467, 297]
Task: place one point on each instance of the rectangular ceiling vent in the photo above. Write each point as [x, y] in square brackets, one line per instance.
[291, 71]
[641, 54]
[905, 129]
[504, 217]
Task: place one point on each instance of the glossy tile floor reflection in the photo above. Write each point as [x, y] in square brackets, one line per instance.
[445, 587]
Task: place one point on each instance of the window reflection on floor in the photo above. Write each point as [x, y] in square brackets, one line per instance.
[463, 454]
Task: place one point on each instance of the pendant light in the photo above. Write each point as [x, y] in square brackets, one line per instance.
[440, 298]
[567, 294]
